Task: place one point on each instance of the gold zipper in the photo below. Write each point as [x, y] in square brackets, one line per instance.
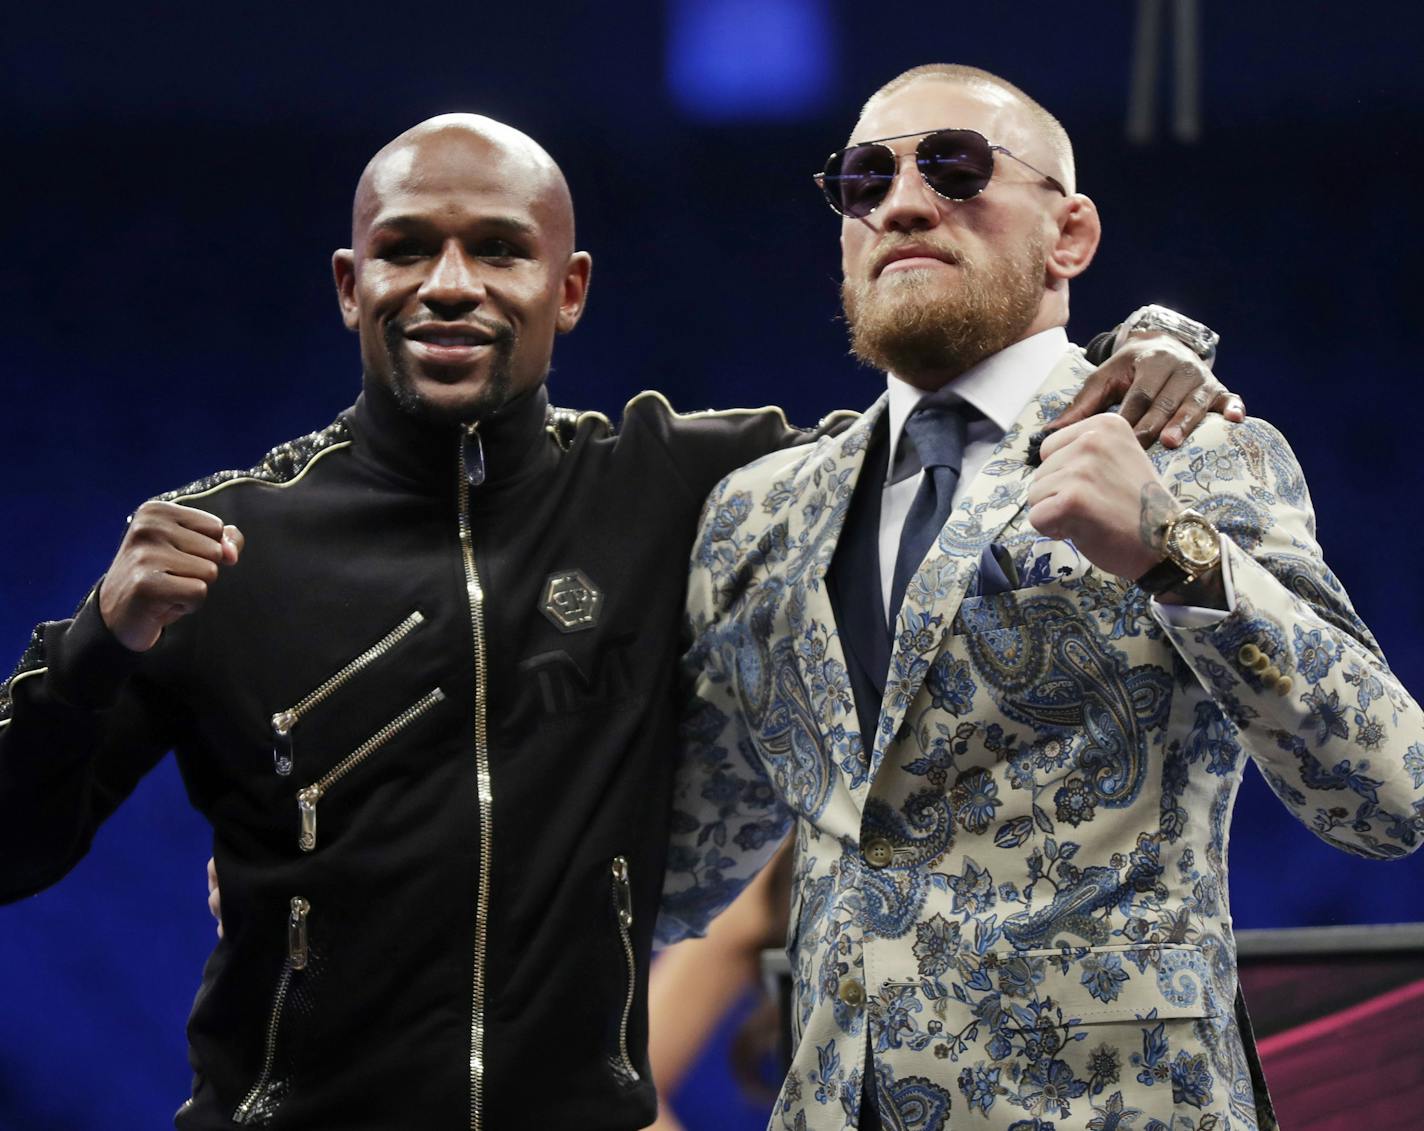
[473, 473]
[298, 952]
[284, 721]
[623, 911]
[308, 797]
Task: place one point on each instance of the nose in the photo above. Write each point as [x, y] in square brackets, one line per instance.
[910, 205]
[453, 286]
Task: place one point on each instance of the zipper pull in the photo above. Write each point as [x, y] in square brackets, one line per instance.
[282, 724]
[472, 456]
[306, 806]
[623, 892]
[298, 948]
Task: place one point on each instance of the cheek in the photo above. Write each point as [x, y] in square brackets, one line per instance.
[380, 292]
[855, 246]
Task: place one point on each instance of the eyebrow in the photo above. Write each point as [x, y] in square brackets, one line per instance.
[510, 225]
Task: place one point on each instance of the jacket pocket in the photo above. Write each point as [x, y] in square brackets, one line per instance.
[309, 796]
[286, 720]
[274, 1081]
[1139, 1021]
[621, 893]
[1095, 985]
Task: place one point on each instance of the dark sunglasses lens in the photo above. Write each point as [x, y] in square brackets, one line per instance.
[955, 163]
[857, 179]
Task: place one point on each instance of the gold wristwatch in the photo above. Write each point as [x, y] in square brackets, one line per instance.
[1193, 548]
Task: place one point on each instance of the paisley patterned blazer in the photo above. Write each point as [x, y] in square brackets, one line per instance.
[1015, 889]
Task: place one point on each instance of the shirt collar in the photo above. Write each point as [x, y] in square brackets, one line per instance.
[999, 386]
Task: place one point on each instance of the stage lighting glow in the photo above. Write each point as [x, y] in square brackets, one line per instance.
[737, 60]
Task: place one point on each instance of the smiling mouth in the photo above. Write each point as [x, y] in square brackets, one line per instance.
[453, 345]
[459, 340]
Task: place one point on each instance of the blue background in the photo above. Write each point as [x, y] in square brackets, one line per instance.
[178, 176]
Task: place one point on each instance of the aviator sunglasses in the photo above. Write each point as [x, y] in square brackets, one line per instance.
[956, 164]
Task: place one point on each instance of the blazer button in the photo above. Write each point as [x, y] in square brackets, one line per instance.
[852, 992]
[879, 852]
[1248, 654]
[1283, 686]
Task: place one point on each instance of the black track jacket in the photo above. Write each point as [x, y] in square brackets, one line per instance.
[432, 720]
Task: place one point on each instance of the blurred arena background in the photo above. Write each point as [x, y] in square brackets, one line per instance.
[178, 175]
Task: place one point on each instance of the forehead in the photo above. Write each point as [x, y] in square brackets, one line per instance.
[935, 103]
[456, 178]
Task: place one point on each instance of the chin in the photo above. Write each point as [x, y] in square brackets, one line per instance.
[452, 403]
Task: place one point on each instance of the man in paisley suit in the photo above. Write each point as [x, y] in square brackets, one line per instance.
[1006, 707]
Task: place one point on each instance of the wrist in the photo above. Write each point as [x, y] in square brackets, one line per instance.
[1196, 336]
[1207, 592]
[1190, 549]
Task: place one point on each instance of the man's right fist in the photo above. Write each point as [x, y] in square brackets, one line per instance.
[168, 558]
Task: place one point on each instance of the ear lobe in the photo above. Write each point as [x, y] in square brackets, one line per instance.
[1079, 231]
[343, 272]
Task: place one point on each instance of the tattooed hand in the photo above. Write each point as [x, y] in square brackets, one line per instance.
[1097, 487]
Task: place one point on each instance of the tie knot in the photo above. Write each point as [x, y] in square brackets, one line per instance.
[938, 431]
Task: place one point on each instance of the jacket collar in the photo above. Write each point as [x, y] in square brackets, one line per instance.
[515, 440]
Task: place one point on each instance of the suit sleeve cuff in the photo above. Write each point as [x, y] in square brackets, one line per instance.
[1193, 616]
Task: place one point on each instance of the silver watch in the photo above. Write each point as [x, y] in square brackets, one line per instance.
[1200, 339]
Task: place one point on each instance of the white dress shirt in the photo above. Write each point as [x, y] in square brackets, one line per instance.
[999, 387]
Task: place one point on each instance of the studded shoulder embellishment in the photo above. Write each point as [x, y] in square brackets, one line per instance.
[31, 661]
[562, 424]
[280, 467]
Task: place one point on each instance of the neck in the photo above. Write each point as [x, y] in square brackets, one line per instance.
[513, 438]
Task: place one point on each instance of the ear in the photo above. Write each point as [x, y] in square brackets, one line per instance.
[343, 270]
[1079, 230]
[574, 291]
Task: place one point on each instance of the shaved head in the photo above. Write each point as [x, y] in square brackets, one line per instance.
[518, 157]
[461, 269]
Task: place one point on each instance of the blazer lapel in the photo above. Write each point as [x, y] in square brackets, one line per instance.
[824, 486]
[993, 500]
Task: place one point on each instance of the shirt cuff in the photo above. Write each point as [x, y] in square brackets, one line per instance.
[1194, 616]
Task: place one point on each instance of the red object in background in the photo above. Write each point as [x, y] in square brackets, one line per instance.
[1339, 1020]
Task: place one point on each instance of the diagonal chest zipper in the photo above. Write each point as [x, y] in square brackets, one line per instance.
[283, 722]
[308, 797]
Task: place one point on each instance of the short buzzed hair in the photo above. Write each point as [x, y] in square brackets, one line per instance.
[1051, 128]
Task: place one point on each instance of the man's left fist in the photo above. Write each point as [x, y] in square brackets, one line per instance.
[1097, 488]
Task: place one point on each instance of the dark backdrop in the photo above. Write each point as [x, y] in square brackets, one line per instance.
[178, 176]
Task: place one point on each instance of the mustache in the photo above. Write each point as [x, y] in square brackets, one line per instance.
[500, 333]
[893, 243]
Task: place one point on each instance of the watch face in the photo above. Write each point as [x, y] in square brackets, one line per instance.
[1196, 542]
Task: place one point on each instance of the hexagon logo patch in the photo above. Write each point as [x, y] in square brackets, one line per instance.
[571, 601]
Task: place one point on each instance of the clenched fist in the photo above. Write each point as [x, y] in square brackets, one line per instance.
[168, 558]
[1097, 488]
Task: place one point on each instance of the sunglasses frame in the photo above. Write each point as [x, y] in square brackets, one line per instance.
[924, 136]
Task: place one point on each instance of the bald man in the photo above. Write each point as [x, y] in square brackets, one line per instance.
[1005, 706]
[418, 671]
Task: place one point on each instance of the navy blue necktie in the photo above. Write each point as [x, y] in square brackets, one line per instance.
[937, 429]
